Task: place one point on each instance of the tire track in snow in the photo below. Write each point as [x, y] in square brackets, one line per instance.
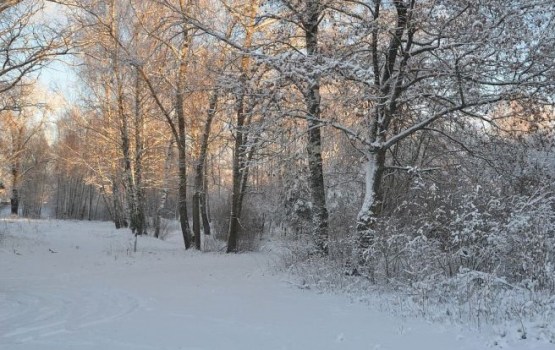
[28, 316]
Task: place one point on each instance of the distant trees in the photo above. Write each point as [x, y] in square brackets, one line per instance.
[82, 175]
[27, 43]
[150, 82]
[118, 110]
[24, 150]
[16, 143]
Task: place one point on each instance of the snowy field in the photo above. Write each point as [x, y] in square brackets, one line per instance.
[78, 285]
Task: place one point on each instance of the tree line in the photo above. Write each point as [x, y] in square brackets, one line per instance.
[343, 122]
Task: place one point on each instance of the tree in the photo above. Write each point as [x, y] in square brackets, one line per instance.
[416, 63]
[433, 62]
[26, 45]
[308, 16]
[242, 112]
[19, 130]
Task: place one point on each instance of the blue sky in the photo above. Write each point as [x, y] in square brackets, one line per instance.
[60, 77]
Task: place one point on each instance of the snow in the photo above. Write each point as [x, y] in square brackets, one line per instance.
[78, 285]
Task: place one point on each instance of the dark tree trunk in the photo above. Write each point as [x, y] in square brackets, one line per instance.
[204, 204]
[233, 231]
[204, 213]
[181, 135]
[314, 146]
[140, 219]
[239, 152]
[14, 202]
[196, 221]
[199, 207]
[241, 164]
[90, 204]
[183, 216]
[15, 170]
[119, 220]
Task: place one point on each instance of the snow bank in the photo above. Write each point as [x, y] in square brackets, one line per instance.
[78, 285]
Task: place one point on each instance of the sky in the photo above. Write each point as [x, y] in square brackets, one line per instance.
[58, 81]
[58, 77]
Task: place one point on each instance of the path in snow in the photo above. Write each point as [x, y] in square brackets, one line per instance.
[71, 285]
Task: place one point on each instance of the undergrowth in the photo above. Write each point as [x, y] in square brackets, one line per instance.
[475, 259]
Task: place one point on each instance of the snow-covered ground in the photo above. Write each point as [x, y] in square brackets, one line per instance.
[78, 285]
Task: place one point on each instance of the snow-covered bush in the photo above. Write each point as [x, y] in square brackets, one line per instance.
[511, 237]
[528, 243]
[467, 255]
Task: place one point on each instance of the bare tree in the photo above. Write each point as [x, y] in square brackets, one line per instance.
[240, 154]
[19, 130]
[26, 44]
[430, 62]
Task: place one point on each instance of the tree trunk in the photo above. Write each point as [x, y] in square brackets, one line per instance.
[317, 188]
[233, 231]
[245, 170]
[199, 198]
[140, 220]
[164, 194]
[130, 194]
[130, 198]
[196, 220]
[239, 151]
[183, 217]
[384, 110]
[182, 158]
[119, 220]
[374, 169]
[204, 210]
[181, 135]
[14, 201]
[314, 146]
[90, 204]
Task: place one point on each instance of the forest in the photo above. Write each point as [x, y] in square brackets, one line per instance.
[405, 143]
